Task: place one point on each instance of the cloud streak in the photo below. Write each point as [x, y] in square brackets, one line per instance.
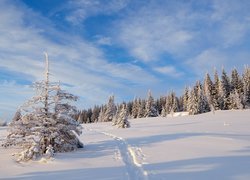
[74, 60]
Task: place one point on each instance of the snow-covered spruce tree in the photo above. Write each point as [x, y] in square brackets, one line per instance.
[163, 111]
[95, 114]
[175, 107]
[122, 118]
[224, 91]
[192, 102]
[246, 87]
[116, 116]
[150, 110]
[110, 110]
[185, 99]
[236, 82]
[135, 108]
[45, 125]
[202, 101]
[215, 91]
[102, 114]
[141, 110]
[208, 92]
[235, 100]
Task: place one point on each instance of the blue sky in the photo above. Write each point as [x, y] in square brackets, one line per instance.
[122, 47]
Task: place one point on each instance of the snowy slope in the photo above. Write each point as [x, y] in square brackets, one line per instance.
[206, 146]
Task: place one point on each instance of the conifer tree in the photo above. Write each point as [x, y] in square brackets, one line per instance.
[102, 114]
[110, 110]
[185, 99]
[246, 87]
[235, 100]
[150, 110]
[122, 119]
[141, 110]
[215, 91]
[116, 116]
[135, 108]
[202, 101]
[208, 91]
[45, 124]
[95, 114]
[193, 102]
[236, 82]
[224, 91]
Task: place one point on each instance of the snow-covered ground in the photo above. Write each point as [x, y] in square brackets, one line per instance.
[207, 146]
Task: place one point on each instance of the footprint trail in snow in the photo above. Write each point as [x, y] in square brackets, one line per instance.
[131, 156]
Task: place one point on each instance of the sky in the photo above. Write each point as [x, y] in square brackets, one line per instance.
[122, 47]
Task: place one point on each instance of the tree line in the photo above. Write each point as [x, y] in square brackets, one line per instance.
[222, 92]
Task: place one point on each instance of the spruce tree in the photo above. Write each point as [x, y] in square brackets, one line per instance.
[193, 101]
[110, 110]
[203, 105]
[208, 91]
[150, 110]
[215, 91]
[122, 119]
[236, 82]
[45, 124]
[135, 108]
[246, 87]
[95, 114]
[141, 110]
[235, 100]
[185, 99]
[224, 91]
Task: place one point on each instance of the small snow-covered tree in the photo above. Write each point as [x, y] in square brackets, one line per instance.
[45, 123]
[122, 118]
[135, 108]
[208, 92]
[141, 110]
[224, 91]
[185, 99]
[95, 114]
[192, 102]
[110, 110]
[236, 82]
[150, 110]
[202, 101]
[215, 91]
[102, 114]
[116, 116]
[246, 87]
[235, 100]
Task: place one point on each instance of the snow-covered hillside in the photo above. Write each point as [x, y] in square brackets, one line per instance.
[206, 146]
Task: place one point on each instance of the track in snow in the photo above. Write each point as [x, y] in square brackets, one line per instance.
[131, 157]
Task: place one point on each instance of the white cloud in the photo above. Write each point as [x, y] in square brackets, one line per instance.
[82, 9]
[12, 96]
[101, 40]
[169, 70]
[209, 59]
[74, 60]
[151, 32]
[197, 35]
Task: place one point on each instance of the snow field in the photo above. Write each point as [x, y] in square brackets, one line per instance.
[206, 146]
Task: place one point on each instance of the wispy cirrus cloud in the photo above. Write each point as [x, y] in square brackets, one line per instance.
[82, 9]
[193, 35]
[140, 45]
[169, 71]
[74, 60]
